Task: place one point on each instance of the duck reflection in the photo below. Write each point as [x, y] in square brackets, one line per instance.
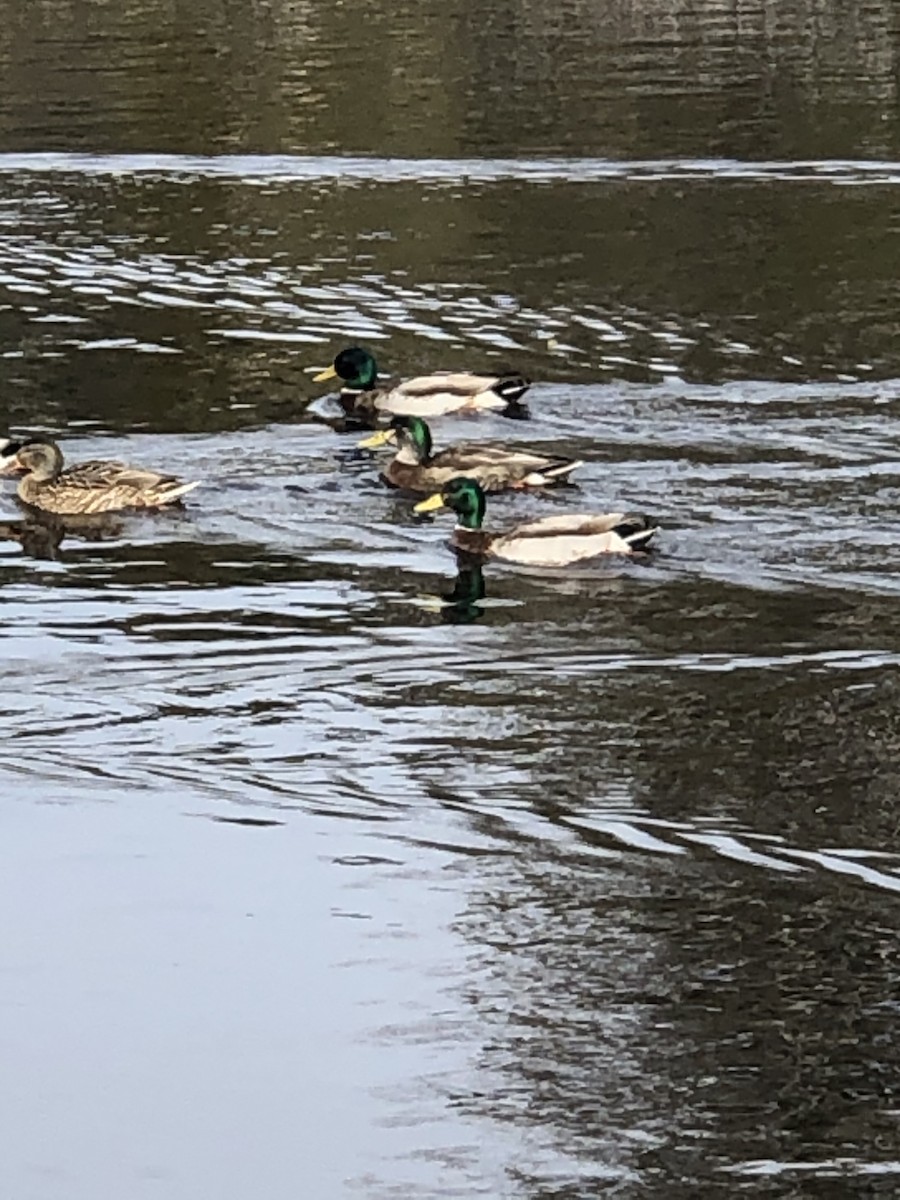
[38, 539]
[460, 606]
[40, 534]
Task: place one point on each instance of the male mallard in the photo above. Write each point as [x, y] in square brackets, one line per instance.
[550, 542]
[415, 469]
[424, 396]
[89, 487]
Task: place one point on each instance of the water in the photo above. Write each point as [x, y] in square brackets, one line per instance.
[314, 884]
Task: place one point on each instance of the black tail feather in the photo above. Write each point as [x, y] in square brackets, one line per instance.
[637, 529]
[511, 388]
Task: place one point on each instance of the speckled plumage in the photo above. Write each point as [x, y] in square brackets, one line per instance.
[96, 486]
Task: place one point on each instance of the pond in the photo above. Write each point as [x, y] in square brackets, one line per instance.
[582, 882]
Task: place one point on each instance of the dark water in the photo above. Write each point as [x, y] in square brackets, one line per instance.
[312, 886]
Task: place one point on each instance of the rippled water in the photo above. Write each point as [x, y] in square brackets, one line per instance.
[324, 872]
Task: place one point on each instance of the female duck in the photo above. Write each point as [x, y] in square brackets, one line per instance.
[424, 396]
[415, 469]
[550, 542]
[89, 487]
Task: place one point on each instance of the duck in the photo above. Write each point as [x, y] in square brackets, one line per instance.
[426, 395]
[415, 469]
[548, 542]
[97, 486]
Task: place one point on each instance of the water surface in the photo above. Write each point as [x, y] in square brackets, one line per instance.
[583, 885]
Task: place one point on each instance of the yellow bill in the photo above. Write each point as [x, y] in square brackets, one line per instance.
[433, 502]
[328, 373]
[379, 438]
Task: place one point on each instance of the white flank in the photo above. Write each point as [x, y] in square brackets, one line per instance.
[558, 551]
[462, 383]
[434, 405]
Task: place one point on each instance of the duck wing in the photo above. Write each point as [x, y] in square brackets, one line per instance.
[95, 471]
[497, 467]
[100, 486]
[445, 392]
[556, 541]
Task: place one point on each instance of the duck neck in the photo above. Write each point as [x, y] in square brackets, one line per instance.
[29, 487]
[469, 522]
[415, 444]
[470, 544]
[409, 455]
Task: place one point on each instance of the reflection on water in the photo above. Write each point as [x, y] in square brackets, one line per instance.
[38, 539]
[460, 605]
[810, 79]
[330, 871]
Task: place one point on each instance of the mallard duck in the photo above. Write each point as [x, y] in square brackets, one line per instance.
[550, 542]
[90, 487]
[424, 396]
[415, 469]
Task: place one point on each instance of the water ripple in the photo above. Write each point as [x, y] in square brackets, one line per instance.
[266, 168]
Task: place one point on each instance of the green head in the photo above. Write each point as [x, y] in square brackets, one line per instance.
[464, 496]
[414, 433]
[355, 367]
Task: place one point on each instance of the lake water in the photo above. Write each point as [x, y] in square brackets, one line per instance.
[312, 885]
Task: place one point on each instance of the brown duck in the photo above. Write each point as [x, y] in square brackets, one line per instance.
[415, 469]
[97, 486]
